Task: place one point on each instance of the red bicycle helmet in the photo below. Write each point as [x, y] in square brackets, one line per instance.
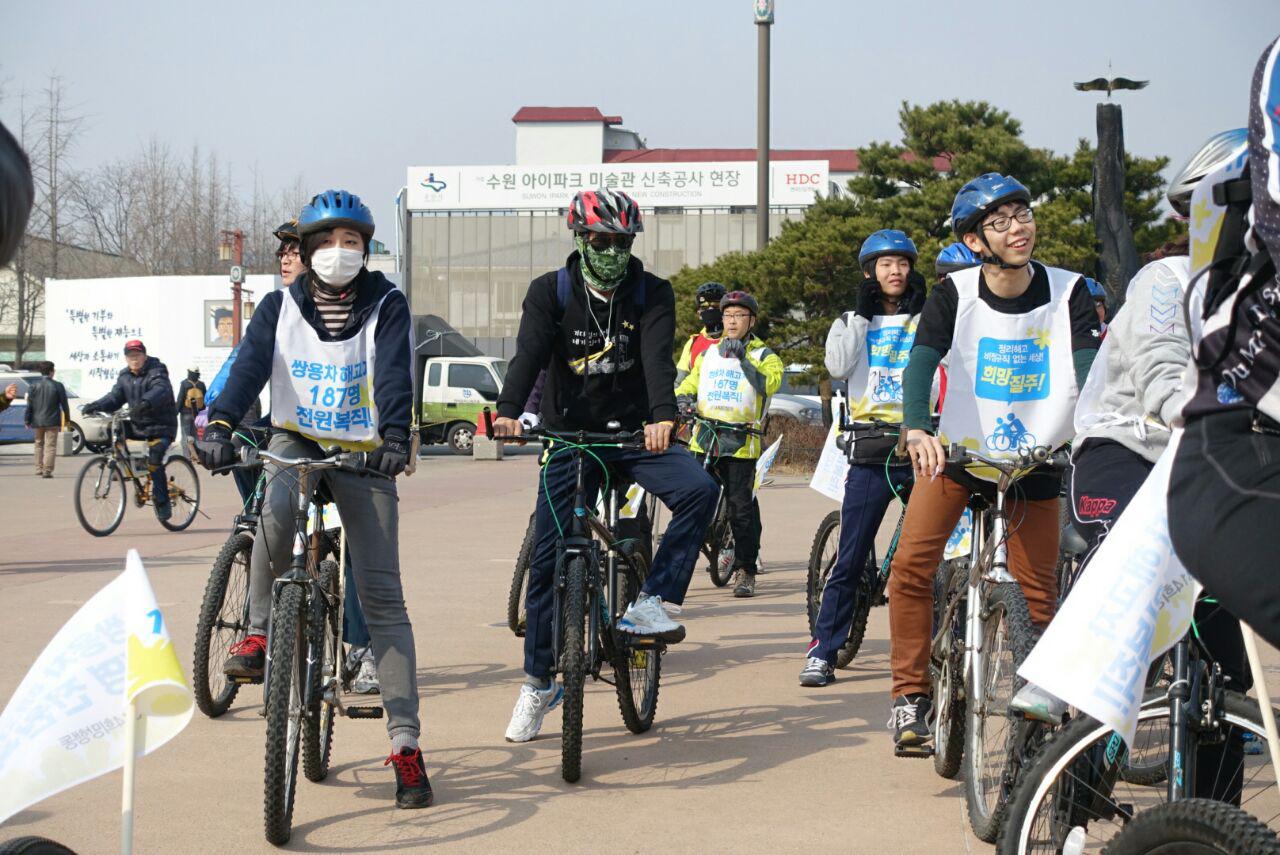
[605, 210]
[740, 298]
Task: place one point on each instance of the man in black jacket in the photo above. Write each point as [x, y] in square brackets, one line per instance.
[190, 402]
[604, 330]
[144, 386]
[47, 411]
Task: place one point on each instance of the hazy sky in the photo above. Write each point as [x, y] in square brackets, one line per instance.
[349, 94]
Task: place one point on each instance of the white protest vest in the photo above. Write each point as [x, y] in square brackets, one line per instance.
[323, 390]
[1011, 383]
[877, 379]
[724, 392]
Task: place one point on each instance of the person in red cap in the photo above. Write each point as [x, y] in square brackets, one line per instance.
[144, 386]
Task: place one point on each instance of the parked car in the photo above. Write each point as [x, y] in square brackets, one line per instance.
[797, 397]
[12, 428]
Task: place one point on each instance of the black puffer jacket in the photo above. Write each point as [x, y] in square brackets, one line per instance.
[149, 396]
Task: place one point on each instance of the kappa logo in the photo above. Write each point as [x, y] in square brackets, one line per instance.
[1090, 506]
[433, 183]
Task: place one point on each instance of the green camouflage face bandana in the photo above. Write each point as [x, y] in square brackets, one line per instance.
[604, 269]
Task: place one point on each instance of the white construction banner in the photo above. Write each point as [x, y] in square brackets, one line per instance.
[764, 463]
[66, 723]
[1132, 603]
[833, 466]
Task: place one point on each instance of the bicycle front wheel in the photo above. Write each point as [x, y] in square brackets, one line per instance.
[1076, 787]
[516, 614]
[637, 664]
[286, 670]
[224, 620]
[100, 496]
[184, 493]
[1006, 641]
[1196, 827]
[573, 666]
[317, 722]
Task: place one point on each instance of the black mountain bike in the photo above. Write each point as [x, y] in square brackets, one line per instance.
[598, 575]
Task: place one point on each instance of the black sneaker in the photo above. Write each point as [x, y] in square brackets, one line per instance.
[817, 672]
[744, 583]
[413, 790]
[909, 719]
[248, 657]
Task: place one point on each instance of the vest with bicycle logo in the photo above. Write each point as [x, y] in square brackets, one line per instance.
[875, 387]
[323, 390]
[1011, 380]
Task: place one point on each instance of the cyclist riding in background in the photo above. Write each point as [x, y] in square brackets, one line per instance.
[866, 347]
[337, 348]
[1224, 489]
[1133, 396]
[604, 329]
[153, 415]
[707, 302]
[1021, 337]
[732, 381]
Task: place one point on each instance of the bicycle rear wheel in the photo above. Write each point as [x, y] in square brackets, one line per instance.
[184, 493]
[516, 616]
[1077, 780]
[224, 620]
[637, 664]
[286, 670]
[1006, 641]
[573, 666]
[950, 586]
[720, 549]
[1195, 827]
[318, 721]
[100, 496]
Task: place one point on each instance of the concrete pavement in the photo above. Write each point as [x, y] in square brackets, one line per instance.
[740, 758]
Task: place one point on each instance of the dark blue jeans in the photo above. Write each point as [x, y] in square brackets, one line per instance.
[867, 495]
[355, 629]
[673, 476]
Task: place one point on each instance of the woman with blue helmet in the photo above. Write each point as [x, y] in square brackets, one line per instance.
[337, 349]
[1019, 337]
[868, 347]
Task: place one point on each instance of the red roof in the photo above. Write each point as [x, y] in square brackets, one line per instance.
[839, 159]
[564, 114]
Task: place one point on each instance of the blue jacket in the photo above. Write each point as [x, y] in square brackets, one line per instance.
[393, 380]
[149, 396]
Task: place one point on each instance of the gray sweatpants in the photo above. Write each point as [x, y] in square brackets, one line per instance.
[370, 518]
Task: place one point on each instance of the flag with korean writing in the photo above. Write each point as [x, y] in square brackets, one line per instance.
[66, 722]
[1133, 602]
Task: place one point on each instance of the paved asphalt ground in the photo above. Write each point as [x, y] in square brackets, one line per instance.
[741, 759]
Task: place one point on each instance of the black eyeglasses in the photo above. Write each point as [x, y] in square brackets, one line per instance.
[1003, 224]
[603, 240]
[288, 253]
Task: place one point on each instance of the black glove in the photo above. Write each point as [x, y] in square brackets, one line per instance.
[868, 301]
[392, 456]
[733, 348]
[214, 449]
[686, 404]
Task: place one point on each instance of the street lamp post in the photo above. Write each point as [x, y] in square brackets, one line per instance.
[231, 248]
[764, 24]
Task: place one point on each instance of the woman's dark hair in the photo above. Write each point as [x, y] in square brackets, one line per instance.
[1180, 245]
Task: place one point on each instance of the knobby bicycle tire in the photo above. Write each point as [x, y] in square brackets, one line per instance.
[573, 666]
[1063, 785]
[637, 668]
[818, 567]
[720, 541]
[283, 709]
[33, 845]
[1195, 827]
[950, 585]
[986, 789]
[516, 615]
[820, 571]
[115, 481]
[214, 693]
[324, 640]
[180, 497]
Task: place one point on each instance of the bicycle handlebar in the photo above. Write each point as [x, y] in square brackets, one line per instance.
[1038, 456]
[716, 424]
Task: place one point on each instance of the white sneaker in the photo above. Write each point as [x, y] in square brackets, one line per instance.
[366, 681]
[531, 708]
[648, 616]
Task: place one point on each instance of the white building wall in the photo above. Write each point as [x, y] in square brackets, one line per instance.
[559, 142]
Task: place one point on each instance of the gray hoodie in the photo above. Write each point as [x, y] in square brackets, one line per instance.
[1143, 356]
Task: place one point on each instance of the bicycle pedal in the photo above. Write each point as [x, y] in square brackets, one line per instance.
[917, 752]
[246, 681]
[364, 712]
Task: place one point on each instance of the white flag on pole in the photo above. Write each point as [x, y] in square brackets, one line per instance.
[66, 723]
[764, 463]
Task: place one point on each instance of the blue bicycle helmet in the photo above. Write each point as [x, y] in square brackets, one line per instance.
[955, 257]
[886, 242]
[334, 208]
[983, 195]
[1095, 289]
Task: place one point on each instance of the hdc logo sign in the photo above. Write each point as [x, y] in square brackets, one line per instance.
[804, 179]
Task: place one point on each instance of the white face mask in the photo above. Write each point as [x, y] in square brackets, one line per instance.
[336, 266]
